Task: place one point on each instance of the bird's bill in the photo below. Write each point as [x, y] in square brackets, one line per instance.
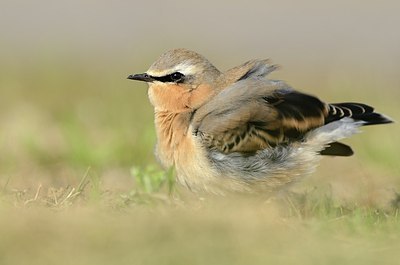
[141, 77]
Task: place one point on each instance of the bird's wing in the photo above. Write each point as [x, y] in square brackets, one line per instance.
[250, 69]
[254, 114]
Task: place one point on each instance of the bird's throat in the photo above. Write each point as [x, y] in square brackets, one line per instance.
[172, 133]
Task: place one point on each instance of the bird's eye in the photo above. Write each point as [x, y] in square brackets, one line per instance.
[177, 77]
[174, 78]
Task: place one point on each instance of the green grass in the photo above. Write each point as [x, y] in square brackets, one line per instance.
[79, 183]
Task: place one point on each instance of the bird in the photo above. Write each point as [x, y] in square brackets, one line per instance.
[238, 130]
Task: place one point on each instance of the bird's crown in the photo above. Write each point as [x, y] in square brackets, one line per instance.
[181, 61]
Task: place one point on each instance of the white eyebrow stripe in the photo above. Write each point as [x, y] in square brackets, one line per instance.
[158, 73]
[184, 68]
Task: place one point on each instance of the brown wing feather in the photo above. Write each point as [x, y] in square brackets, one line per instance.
[255, 114]
[297, 111]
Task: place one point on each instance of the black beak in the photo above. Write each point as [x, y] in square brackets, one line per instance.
[141, 77]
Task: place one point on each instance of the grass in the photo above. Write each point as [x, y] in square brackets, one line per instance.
[79, 184]
[73, 227]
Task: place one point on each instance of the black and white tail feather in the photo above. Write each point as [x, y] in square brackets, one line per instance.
[357, 111]
[349, 112]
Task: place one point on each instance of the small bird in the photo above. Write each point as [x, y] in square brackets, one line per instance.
[239, 131]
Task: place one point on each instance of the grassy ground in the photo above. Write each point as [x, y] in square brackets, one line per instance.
[79, 184]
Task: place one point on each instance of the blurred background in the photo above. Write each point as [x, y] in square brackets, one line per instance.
[65, 103]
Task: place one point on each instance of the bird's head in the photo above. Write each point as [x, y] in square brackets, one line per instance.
[179, 66]
[179, 79]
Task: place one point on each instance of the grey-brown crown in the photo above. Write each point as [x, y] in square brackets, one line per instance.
[181, 60]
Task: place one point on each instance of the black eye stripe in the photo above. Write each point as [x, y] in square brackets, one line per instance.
[173, 78]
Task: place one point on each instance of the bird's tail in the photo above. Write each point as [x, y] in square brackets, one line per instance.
[356, 111]
[323, 137]
[360, 113]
